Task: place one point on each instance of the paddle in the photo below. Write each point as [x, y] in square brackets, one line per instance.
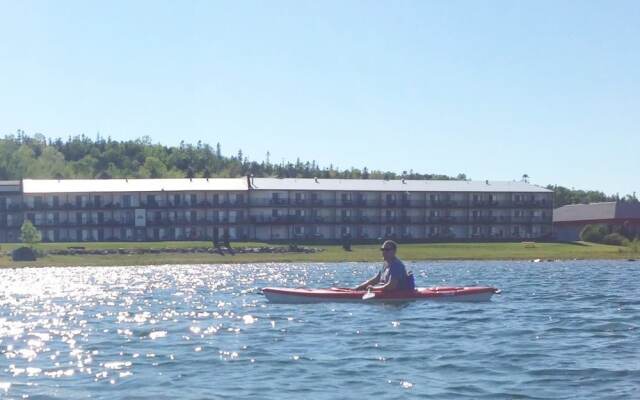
[369, 295]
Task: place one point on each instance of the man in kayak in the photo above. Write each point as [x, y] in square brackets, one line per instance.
[393, 275]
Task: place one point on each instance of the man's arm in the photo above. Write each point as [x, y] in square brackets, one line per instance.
[395, 274]
[391, 285]
[370, 282]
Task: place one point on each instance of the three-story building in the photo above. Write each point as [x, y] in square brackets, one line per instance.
[272, 209]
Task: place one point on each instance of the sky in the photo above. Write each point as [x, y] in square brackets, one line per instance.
[492, 89]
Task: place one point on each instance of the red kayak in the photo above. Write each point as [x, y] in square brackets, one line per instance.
[468, 294]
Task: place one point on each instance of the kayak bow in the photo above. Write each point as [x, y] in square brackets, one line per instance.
[303, 295]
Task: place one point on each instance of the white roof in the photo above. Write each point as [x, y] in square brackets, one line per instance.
[9, 186]
[132, 185]
[397, 185]
[240, 184]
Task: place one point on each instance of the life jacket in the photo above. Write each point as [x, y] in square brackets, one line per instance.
[410, 281]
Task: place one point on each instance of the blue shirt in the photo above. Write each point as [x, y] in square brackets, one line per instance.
[397, 270]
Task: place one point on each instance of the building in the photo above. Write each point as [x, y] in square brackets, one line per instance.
[272, 209]
[136, 209]
[569, 220]
[10, 211]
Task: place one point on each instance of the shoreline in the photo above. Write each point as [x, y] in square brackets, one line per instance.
[549, 251]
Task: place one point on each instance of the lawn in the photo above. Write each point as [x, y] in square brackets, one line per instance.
[329, 253]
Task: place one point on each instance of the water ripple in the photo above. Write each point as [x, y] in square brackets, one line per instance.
[562, 330]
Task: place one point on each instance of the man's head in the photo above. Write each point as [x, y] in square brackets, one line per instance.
[388, 249]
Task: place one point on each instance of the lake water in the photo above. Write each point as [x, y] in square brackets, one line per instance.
[559, 330]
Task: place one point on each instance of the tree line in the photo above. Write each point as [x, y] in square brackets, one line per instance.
[39, 157]
[24, 156]
[564, 196]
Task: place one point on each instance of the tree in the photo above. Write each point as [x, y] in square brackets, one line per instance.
[564, 196]
[594, 233]
[29, 234]
[153, 168]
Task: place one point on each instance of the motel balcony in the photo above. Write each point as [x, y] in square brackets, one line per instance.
[531, 204]
[484, 204]
[483, 219]
[442, 204]
[444, 220]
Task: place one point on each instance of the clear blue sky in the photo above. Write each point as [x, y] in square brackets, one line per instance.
[494, 89]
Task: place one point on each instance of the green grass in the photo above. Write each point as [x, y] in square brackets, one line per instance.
[332, 253]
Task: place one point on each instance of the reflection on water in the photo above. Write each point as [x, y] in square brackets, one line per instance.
[560, 330]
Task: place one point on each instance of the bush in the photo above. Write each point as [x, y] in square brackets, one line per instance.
[24, 253]
[615, 239]
[593, 233]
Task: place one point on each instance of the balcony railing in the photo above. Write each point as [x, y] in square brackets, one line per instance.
[530, 203]
[445, 220]
[483, 219]
[442, 203]
[484, 203]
